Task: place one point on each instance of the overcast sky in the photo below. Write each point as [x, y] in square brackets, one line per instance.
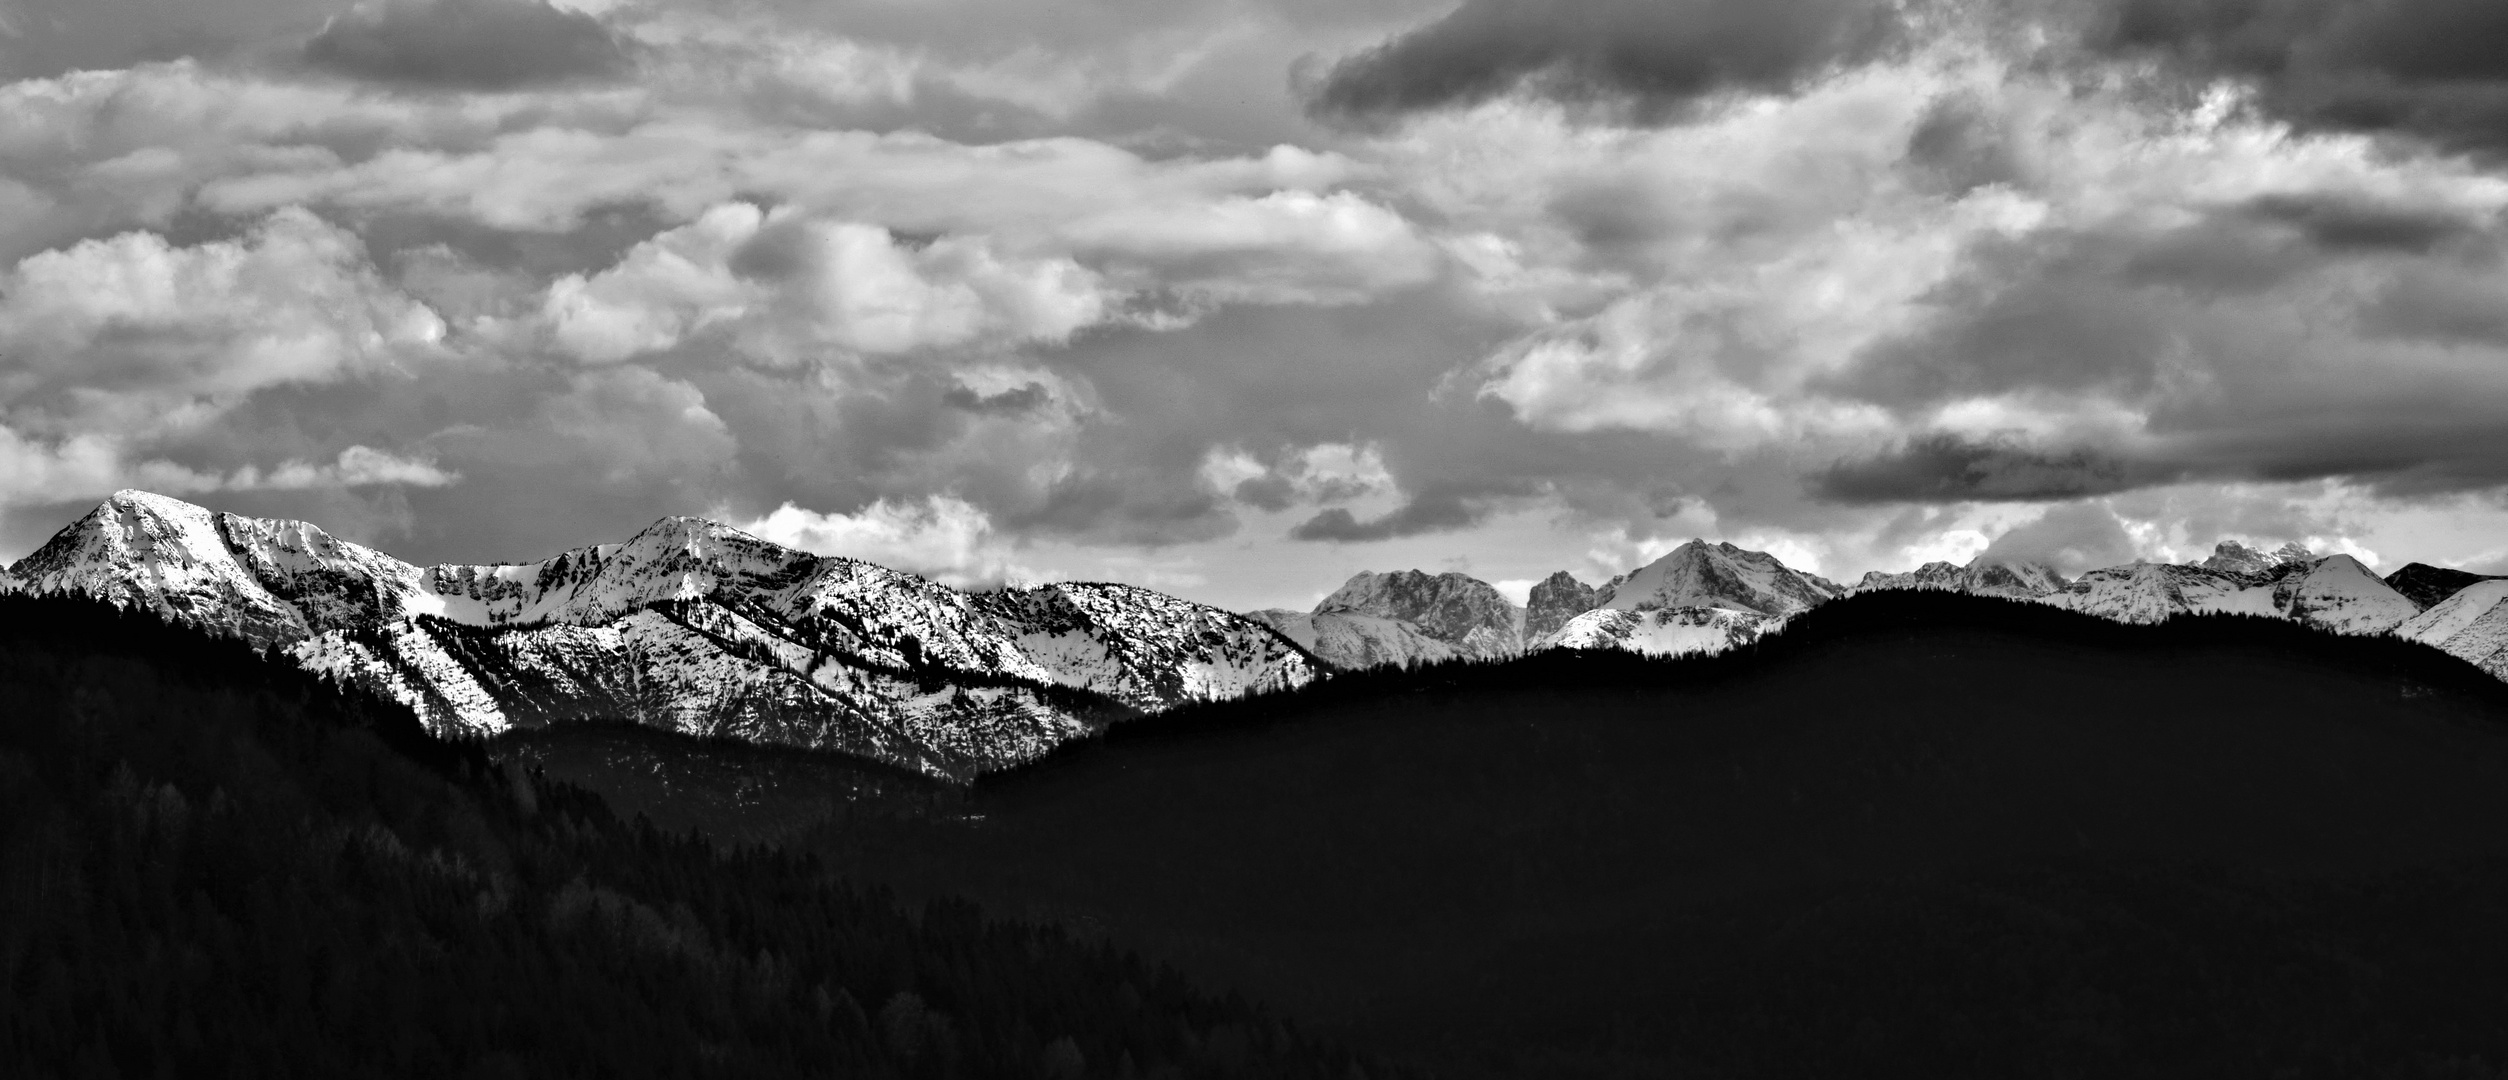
[1235, 298]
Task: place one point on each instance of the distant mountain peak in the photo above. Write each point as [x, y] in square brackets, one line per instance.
[2234, 557]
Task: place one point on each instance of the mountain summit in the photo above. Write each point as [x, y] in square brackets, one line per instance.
[688, 625]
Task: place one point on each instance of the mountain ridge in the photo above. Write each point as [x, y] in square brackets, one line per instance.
[688, 624]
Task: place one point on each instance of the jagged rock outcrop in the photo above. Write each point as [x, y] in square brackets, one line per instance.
[689, 625]
[1555, 600]
[2236, 558]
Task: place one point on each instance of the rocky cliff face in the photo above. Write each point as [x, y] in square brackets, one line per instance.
[1457, 609]
[689, 625]
[1555, 600]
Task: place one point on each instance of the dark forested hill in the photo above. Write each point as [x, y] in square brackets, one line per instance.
[1916, 834]
[213, 865]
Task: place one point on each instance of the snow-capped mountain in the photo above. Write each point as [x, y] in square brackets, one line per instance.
[1700, 574]
[689, 625]
[2427, 585]
[1984, 577]
[1700, 597]
[2335, 592]
[2471, 625]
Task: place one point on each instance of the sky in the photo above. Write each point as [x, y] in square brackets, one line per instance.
[1236, 298]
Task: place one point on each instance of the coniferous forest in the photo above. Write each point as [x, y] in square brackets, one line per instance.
[215, 866]
[1914, 835]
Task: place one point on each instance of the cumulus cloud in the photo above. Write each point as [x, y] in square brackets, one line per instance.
[466, 44]
[1864, 281]
[132, 333]
[940, 537]
[790, 284]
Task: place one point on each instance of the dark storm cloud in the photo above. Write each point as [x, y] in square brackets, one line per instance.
[1426, 513]
[2346, 224]
[467, 44]
[2434, 68]
[1014, 402]
[1949, 468]
[1657, 55]
[43, 38]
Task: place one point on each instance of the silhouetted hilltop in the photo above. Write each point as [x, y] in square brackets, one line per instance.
[1915, 834]
[213, 864]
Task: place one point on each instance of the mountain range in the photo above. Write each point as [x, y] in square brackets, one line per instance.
[688, 625]
[1707, 597]
[698, 628]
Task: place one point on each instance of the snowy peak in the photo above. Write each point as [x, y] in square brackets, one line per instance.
[1700, 574]
[2339, 594]
[243, 577]
[689, 624]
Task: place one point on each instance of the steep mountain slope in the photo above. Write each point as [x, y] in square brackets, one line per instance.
[1349, 640]
[1462, 611]
[688, 625]
[2471, 625]
[2426, 585]
[1917, 834]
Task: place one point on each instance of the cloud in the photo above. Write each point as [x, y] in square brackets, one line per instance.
[133, 333]
[2071, 538]
[940, 537]
[787, 284]
[357, 466]
[1659, 56]
[2428, 68]
[1944, 467]
[1425, 513]
[467, 44]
